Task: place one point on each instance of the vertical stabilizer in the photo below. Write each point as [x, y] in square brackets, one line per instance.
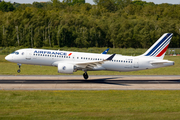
[105, 52]
[158, 49]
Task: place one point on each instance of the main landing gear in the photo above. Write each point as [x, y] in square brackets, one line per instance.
[85, 75]
[19, 68]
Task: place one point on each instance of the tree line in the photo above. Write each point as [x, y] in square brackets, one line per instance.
[74, 23]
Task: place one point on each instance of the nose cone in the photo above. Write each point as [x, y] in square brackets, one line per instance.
[8, 58]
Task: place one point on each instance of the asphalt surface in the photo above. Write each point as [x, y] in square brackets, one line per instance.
[77, 82]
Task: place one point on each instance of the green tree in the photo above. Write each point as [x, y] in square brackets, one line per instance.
[37, 5]
[6, 6]
[108, 4]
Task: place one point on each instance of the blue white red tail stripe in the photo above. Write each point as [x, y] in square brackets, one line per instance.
[159, 48]
[163, 51]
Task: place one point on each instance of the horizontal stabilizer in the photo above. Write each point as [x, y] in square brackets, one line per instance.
[159, 62]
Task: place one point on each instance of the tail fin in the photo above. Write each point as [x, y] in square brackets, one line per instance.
[105, 52]
[158, 49]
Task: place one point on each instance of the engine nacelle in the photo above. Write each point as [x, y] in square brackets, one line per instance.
[65, 68]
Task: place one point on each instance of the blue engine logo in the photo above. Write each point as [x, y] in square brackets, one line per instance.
[64, 68]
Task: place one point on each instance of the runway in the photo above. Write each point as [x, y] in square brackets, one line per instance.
[76, 82]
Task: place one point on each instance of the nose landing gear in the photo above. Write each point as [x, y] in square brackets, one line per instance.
[85, 75]
[19, 68]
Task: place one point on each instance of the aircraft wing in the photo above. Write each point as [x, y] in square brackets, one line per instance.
[91, 65]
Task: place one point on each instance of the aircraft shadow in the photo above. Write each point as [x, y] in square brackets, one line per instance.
[111, 80]
[64, 81]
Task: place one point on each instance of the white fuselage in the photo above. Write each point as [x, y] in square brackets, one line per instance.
[53, 57]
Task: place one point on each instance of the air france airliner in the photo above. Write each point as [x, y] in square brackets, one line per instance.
[69, 62]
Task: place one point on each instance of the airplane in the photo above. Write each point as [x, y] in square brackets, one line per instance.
[69, 62]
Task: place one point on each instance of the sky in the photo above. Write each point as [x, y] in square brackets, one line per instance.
[91, 1]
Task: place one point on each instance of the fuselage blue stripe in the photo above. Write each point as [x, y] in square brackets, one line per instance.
[161, 46]
[158, 44]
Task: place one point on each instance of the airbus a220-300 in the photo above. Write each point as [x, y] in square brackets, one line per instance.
[69, 62]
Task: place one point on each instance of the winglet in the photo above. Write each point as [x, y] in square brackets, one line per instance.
[111, 57]
[105, 52]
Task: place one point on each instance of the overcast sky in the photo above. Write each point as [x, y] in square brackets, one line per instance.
[91, 1]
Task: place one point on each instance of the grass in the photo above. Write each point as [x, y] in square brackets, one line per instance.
[8, 68]
[111, 104]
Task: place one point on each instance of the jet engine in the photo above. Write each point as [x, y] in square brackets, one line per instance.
[66, 68]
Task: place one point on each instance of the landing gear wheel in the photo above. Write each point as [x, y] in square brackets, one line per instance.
[19, 71]
[85, 75]
[19, 68]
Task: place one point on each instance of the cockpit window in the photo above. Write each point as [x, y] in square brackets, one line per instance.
[17, 53]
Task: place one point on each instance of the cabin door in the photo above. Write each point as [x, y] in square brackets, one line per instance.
[28, 55]
[136, 63]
